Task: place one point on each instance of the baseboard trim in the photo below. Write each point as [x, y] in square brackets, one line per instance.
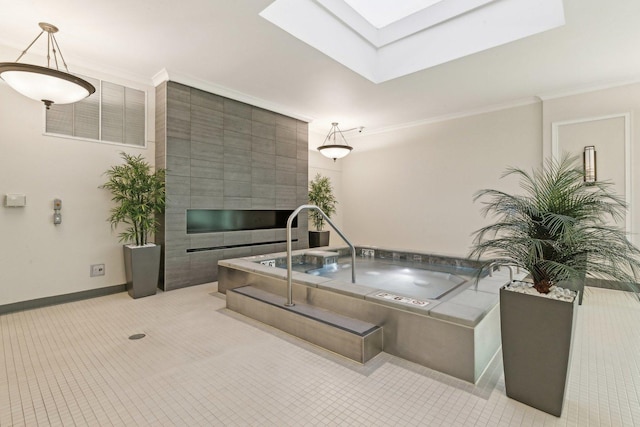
[61, 299]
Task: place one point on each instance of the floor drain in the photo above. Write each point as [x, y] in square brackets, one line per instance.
[137, 336]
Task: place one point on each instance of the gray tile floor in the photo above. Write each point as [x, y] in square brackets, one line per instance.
[201, 364]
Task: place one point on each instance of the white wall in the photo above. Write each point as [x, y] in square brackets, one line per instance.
[37, 258]
[413, 188]
[607, 119]
[410, 188]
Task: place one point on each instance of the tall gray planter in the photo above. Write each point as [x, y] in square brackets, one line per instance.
[318, 238]
[142, 268]
[577, 285]
[536, 348]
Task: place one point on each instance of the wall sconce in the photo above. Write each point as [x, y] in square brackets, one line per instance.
[589, 160]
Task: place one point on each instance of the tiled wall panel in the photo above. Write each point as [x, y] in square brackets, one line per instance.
[223, 154]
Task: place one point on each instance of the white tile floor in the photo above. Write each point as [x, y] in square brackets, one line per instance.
[201, 364]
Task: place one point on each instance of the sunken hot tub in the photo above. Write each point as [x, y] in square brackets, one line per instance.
[428, 306]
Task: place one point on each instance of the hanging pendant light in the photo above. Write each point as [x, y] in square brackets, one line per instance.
[46, 84]
[334, 149]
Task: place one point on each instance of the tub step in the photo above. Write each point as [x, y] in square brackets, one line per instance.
[351, 338]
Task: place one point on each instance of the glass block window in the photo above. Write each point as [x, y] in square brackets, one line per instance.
[114, 113]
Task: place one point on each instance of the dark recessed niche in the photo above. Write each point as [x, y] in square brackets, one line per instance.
[216, 220]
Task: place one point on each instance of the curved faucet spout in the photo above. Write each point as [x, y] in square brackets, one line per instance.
[491, 270]
[495, 264]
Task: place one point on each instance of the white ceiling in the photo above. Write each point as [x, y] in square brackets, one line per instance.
[445, 31]
[226, 43]
[381, 13]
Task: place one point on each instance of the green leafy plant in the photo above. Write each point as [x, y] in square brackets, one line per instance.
[139, 193]
[558, 230]
[321, 195]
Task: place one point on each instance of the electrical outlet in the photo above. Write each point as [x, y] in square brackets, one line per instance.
[97, 270]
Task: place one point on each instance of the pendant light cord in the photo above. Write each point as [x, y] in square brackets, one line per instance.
[52, 46]
[29, 47]
[55, 45]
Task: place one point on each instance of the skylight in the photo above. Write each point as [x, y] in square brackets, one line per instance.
[381, 13]
[382, 40]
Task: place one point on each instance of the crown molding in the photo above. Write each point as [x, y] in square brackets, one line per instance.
[468, 113]
[165, 75]
[593, 87]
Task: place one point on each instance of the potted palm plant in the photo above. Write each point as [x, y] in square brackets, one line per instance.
[139, 194]
[559, 230]
[321, 195]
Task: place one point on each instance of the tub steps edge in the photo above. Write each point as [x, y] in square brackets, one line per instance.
[352, 338]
